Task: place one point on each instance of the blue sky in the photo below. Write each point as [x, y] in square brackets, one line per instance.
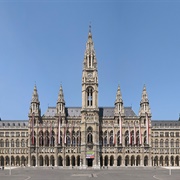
[136, 42]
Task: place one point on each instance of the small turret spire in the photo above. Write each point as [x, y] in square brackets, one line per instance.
[60, 107]
[35, 97]
[60, 95]
[35, 104]
[144, 104]
[119, 108]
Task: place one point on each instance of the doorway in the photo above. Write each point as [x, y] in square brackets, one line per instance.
[89, 162]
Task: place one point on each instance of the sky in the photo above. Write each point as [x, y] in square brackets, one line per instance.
[43, 42]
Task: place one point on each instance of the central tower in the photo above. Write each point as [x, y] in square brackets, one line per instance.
[90, 111]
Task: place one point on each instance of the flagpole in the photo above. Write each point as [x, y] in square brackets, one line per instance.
[10, 156]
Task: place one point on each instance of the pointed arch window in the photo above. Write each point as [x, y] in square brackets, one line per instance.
[90, 97]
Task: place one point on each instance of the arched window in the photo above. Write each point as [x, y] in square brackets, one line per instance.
[126, 138]
[156, 142]
[89, 135]
[111, 139]
[89, 138]
[7, 143]
[172, 142]
[161, 143]
[90, 97]
[22, 143]
[68, 139]
[177, 142]
[17, 143]
[166, 143]
[1, 143]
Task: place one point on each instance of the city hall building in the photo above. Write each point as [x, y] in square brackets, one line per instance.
[89, 136]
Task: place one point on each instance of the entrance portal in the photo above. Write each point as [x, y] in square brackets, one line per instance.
[89, 162]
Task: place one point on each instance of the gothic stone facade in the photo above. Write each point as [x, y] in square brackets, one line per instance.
[89, 136]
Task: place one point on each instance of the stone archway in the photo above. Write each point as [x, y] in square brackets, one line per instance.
[145, 161]
[52, 160]
[60, 161]
[155, 161]
[111, 160]
[132, 160]
[33, 161]
[78, 160]
[1, 161]
[23, 161]
[177, 160]
[67, 161]
[73, 161]
[106, 160]
[41, 161]
[46, 160]
[161, 161]
[138, 160]
[119, 161]
[166, 161]
[127, 160]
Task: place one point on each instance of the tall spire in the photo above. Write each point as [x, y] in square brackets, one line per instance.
[119, 108]
[90, 56]
[144, 104]
[60, 101]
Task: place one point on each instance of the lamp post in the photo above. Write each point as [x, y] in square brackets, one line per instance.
[169, 153]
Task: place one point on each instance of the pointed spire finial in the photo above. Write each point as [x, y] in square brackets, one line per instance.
[90, 27]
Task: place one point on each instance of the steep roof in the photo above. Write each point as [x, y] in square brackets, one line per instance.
[76, 112]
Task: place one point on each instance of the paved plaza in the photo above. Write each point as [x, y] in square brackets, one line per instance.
[123, 173]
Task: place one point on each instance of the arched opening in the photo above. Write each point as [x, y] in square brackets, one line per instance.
[126, 160]
[132, 161]
[161, 161]
[52, 161]
[7, 160]
[166, 161]
[46, 160]
[155, 161]
[119, 161]
[106, 161]
[111, 160]
[41, 161]
[1, 161]
[78, 160]
[23, 161]
[145, 161]
[172, 160]
[177, 161]
[73, 161]
[138, 161]
[60, 161]
[33, 161]
[67, 161]
[12, 161]
[17, 161]
[101, 161]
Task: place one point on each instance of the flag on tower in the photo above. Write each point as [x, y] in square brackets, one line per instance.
[120, 129]
[134, 133]
[32, 128]
[147, 128]
[59, 130]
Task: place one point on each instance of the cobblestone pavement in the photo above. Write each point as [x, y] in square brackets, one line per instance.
[123, 173]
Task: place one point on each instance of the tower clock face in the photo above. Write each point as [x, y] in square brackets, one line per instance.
[89, 75]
